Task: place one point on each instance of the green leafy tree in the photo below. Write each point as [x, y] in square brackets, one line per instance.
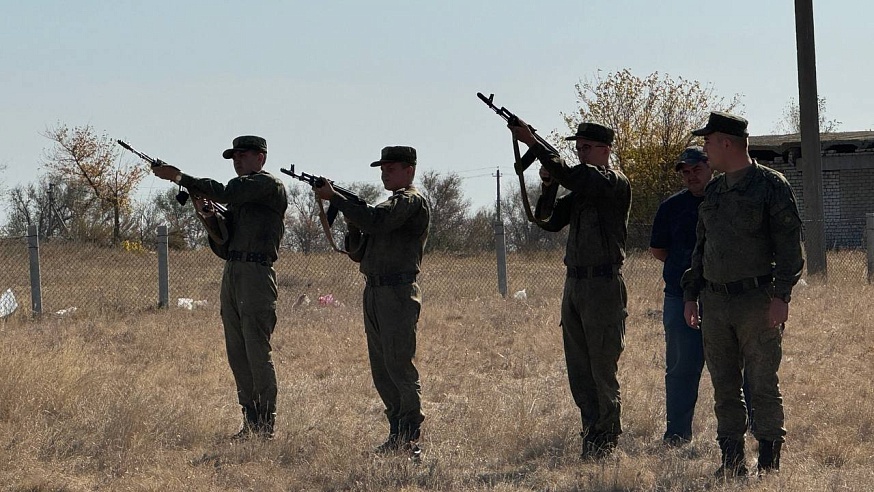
[653, 117]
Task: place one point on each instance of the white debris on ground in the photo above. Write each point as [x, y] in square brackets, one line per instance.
[520, 295]
[189, 304]
[69, 310]
[8, 304]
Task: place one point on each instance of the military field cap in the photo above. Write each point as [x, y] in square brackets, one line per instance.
[400, 153]
[246, 142]
[724, 123]
[594, 132]
[692, 155]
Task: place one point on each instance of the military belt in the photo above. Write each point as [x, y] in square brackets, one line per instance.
[391, 279]
[606, 270]
[740, 286]
[250, 257]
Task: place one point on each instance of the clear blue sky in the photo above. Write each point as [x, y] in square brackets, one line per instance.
[330, 83]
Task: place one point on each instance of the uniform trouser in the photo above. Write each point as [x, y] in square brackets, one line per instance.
[248, 310]
[390, 316]
[593, 327]
[684, 362]
[738, 340]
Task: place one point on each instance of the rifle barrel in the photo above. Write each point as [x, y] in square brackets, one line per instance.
[316, 181]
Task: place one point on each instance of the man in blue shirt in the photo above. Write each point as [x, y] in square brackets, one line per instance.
[672, 241]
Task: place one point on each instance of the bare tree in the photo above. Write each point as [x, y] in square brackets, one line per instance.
[48, 206]
[522, 235]
[183, 228]
[448, 207]
[303, 230]
[791, 122]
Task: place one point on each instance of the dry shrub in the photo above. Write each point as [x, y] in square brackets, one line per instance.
[143, 399]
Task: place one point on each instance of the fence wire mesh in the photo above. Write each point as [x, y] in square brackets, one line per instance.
[87, 278]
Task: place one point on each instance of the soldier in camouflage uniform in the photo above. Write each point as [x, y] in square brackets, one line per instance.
[593, 307]
[248, 237]
[747, 258]
[388, 240]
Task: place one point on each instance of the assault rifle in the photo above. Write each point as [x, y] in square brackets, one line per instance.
[522, 161]
[316, 182]
[182, 196]
[326, 218]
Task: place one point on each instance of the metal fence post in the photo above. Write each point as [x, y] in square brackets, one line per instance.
[35, 279]
[501, 250]
[869, 239]
[163, 268]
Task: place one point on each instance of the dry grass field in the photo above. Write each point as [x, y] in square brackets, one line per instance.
[140, 399]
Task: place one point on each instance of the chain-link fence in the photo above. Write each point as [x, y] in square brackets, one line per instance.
[83, 277]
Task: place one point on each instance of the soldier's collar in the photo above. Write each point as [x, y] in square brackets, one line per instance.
[744, 181]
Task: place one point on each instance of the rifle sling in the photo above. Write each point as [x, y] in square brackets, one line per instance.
[323, 218]
[523, 191]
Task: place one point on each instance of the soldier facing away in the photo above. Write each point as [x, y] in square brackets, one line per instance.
[747, 258]
[247, 236]
[593, 309]
[388, 240]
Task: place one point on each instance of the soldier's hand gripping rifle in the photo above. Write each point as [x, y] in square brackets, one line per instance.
[182, 196]
[326, 218]
[522, 161]
[218, 232]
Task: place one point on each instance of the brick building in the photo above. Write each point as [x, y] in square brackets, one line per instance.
[847, 179]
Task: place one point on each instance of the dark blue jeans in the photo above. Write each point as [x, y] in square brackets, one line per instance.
[684, 361]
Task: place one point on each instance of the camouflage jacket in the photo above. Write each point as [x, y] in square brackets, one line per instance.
[747, 230]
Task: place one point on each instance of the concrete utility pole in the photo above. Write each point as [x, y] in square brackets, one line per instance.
[811, 148]
[500, 241]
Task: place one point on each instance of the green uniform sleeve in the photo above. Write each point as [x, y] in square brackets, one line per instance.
[385, 217]
[242, 189]
[584, 178]
[785, 228]
[555, 213]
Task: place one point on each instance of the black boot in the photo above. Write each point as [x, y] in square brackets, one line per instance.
[266, 420]
[733, 464]
[769, 456]
[409, 438]
[393, 442]
[250, 421]
[598, 445]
